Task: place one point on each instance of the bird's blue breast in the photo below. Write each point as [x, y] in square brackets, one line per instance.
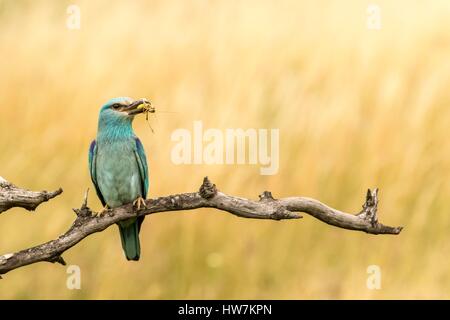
[117, 171]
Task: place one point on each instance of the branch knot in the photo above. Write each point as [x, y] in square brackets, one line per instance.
[266, 196]
[370, 207]
[207, 190]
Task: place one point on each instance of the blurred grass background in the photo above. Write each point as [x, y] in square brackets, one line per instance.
[356, 108]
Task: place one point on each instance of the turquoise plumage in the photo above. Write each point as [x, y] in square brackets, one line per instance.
[118, 166]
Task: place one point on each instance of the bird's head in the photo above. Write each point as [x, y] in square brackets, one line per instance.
[125, 108]
[121, 111]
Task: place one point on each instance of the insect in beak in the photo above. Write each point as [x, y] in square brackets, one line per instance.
[146, 107]
[139, 106]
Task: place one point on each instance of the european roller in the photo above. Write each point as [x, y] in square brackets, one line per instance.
[118, 166]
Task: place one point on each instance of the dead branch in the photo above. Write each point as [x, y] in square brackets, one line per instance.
[12, 196]
[88, 222]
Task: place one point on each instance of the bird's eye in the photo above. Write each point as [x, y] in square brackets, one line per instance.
[116, 106]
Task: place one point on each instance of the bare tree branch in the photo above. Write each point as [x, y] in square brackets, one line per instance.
[88, 222]
[12, 196]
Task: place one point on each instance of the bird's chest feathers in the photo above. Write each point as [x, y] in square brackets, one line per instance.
[118, 172]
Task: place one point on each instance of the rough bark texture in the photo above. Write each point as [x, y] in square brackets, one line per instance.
[88, 222]
[12, 196]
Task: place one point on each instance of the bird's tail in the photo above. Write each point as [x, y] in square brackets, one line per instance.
[129, 234]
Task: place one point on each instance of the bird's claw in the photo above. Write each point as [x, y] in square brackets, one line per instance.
[139, 202]
[102, 212]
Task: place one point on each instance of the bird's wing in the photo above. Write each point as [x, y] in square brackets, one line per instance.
[142, 164]
[93, 170]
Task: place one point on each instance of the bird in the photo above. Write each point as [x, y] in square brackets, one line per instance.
[118, 166]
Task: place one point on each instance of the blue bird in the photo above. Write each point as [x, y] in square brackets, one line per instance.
[118, 166]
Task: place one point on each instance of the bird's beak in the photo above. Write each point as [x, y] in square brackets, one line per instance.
[139, 106]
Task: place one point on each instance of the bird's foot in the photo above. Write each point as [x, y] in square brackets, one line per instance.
[139, 202]
[102, 212]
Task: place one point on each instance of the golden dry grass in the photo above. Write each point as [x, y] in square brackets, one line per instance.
[356, 108]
